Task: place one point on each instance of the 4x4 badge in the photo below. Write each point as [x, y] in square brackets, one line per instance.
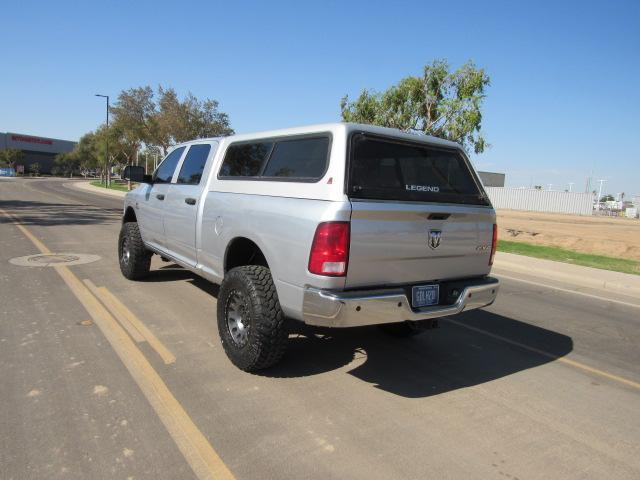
[434, 238]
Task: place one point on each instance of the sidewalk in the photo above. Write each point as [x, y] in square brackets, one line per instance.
[86, 186]
[622, 283]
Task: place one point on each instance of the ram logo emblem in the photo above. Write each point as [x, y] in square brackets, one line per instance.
[434, 238]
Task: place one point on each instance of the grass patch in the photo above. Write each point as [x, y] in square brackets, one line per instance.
[114, 186]
[567, 256]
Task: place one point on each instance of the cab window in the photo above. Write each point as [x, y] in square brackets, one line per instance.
[164, 172]
[193, 165]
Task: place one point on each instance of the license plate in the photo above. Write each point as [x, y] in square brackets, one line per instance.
[424, 295]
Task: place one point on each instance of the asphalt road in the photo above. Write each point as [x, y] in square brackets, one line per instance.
[543, 384]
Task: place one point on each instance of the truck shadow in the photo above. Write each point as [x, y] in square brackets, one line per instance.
[473, 348]
[174, 273]
[479, 347]
[50, 214]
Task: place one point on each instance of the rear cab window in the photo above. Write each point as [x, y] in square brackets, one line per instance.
[382, 168]
[302, 159]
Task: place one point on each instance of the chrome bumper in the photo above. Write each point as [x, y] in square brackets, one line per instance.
[372, 307]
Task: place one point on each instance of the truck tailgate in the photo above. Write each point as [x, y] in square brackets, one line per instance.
[399, 243]
[419, 213]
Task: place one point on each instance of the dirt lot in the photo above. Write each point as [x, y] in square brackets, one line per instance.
[614, 237]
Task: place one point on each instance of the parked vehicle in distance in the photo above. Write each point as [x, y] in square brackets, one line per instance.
[336, 225]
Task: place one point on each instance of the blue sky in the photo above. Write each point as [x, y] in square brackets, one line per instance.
[564, 100]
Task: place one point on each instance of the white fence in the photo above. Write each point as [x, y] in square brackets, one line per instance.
[548, 201]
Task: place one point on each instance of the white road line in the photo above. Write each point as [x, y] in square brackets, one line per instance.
[552, 356]
[566, 290]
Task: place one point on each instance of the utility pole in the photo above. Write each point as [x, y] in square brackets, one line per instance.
[108, 180]
[600, 192]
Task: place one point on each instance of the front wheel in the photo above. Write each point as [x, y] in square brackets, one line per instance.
[250, 321]
[133, 256]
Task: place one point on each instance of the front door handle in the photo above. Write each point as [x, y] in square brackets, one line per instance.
[160, 196]
[190, 201]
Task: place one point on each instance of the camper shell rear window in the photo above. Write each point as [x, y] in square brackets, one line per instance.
[385, 168]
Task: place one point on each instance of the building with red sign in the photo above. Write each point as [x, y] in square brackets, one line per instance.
[40, 150]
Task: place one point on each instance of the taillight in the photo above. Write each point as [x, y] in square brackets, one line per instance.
[330, 249]
[494, 243]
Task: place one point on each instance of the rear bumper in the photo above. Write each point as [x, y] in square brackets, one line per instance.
[371, 307]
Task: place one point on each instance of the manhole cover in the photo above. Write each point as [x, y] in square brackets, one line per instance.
[54, 259]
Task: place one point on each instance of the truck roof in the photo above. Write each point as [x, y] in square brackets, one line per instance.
[330, 127]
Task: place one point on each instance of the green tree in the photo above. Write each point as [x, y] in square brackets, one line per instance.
[11, 157]
[87, 152]
[120, 149]
[162, 119]
[182, 120]
[135, 112]
[442, 103]
[67, 163]
[149, 157]
[34, 169]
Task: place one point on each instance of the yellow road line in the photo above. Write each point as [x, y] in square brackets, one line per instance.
[123, 314]
[120, 316]
[39, 245]
[552, 356]
[193, 445]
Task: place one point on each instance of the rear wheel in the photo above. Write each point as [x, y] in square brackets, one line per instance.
[250, 321]
[133, 256]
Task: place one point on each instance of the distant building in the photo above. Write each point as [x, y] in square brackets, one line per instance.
[491, 179]
[40, 150]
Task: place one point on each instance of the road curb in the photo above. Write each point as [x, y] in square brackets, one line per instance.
[87, 187]
[623, 283]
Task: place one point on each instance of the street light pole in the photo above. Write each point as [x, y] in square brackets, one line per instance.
[600, 192]
[108, 179]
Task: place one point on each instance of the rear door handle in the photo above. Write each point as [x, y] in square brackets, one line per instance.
[190, 201]
[439, 216]
[160, 196]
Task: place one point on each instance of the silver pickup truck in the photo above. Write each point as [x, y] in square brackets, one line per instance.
[336, 225]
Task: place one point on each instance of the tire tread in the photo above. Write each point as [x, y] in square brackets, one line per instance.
[140, 261]
[270, 341]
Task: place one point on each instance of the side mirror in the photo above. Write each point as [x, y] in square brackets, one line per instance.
[135, 174]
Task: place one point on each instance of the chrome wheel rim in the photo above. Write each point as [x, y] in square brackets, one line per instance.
[125, 254]
[237, 318]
